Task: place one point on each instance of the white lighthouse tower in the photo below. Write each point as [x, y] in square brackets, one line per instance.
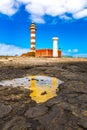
[55, 46]
[33, 37]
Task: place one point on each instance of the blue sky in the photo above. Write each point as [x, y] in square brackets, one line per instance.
[65, 19]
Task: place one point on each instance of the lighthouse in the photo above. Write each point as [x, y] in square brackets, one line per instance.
[32, 37]
[44, 52]
[55, 46]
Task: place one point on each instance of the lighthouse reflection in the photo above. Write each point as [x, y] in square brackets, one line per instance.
[43, 88]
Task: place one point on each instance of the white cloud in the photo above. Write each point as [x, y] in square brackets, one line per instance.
[36, 12]
[69, 50]
[24, 1]
[38, 8]
[72, 50]
[80, 14]
[35, 9]
[54, 8]
[74, 53]
[37, 19]
[8, 7]
[65, 17]
[75, 50]
[84, 55]
[11, 50]
[73, 6]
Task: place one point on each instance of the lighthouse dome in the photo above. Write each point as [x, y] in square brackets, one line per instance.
[32, 26]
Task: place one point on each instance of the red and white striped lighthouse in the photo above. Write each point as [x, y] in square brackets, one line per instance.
[32, 37]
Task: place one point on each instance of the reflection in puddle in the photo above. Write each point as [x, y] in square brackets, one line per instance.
[43, 90]
[43, 87]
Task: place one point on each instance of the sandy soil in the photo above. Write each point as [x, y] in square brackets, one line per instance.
[67, 111]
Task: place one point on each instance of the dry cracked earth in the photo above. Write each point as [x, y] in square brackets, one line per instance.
[66, 111]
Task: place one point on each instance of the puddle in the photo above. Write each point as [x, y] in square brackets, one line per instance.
[43, 87]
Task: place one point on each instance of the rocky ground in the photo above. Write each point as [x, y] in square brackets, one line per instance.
[66, 111]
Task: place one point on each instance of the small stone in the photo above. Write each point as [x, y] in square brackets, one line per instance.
[4, 110]
[43, 93]
[42, 80]
[83, 123]
[36, 111]
[17, 123]
[84, 113]
[33, 79]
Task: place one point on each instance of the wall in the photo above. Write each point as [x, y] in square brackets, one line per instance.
[47, 53]
[42, 53]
